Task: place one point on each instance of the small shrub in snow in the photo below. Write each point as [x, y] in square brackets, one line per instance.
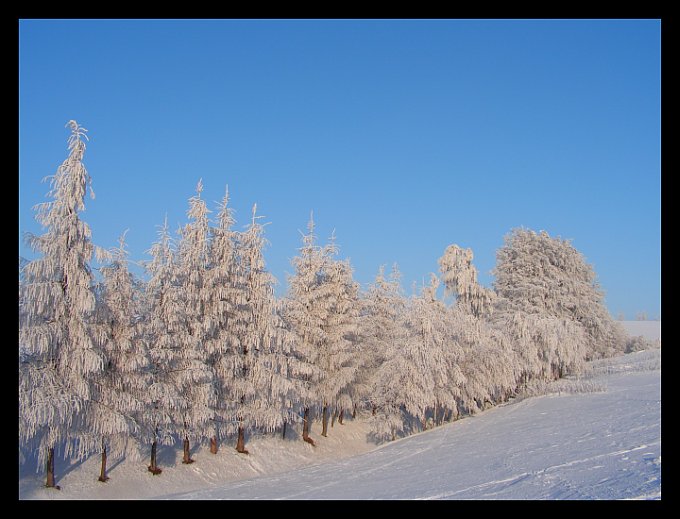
[639, 343]
[564, 386]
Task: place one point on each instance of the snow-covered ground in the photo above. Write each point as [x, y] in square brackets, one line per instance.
[648, 329]
[594, 445]
[131, 480]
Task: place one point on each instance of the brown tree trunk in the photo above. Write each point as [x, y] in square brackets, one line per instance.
[342, 413]
[187, 455]
[335, 417]
[153, 468]
[49, 468]
[241, 442]
[324, 422]
[305, 427]
[213, 445]
[354, 411]
[283, 433]
[373, 411]
[102, 474]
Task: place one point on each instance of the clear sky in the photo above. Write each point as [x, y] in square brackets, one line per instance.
[402, 135]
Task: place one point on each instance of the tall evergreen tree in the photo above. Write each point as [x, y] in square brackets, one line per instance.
[118, 398]
[305, 312]
[339, 351]
[61, 353]
[195, 377]
[220, 320]
[164, 333]
[259, 383]
[383, 330]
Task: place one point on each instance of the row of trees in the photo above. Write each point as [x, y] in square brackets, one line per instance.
[203, 352]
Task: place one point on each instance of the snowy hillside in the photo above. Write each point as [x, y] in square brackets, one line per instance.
[604, 444]
[648, 329]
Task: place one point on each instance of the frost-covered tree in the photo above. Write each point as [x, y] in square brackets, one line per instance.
[21, 299]
[220, 319]
[194, 379]
[305, 311]
[460, 279]
[383, 329]
[259, 384]
[423, 377]
[430, 324]
[164, 331]
[487, 363]
[119, 393]
[339, 351]
[61, 353]
[537, 274]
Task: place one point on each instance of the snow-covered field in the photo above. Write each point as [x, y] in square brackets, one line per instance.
[594, 445]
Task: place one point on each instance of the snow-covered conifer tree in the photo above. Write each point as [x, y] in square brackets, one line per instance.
[195, 377]
[220, 319]
[61, 353]
[259, 384]
[165, 330]
[339, 350]
[305, 311]
[383, 330]
[119, 393]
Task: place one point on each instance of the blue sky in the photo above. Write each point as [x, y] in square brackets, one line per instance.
[402, 135]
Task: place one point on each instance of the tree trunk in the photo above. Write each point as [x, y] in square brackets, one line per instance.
[102, 474]
[187, 455]
[283, 434]
[324, 422]
[213, 445]
[373, 411]
[354, 411]
[241, 442]
[49, 468]
[434, 415]
[153, 468]
[335, 417]
[305, 427]
[342, 413]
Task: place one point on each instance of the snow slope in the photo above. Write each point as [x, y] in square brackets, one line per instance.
[131, 480]
[604, 445]
[595, 445]
[648, 329]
